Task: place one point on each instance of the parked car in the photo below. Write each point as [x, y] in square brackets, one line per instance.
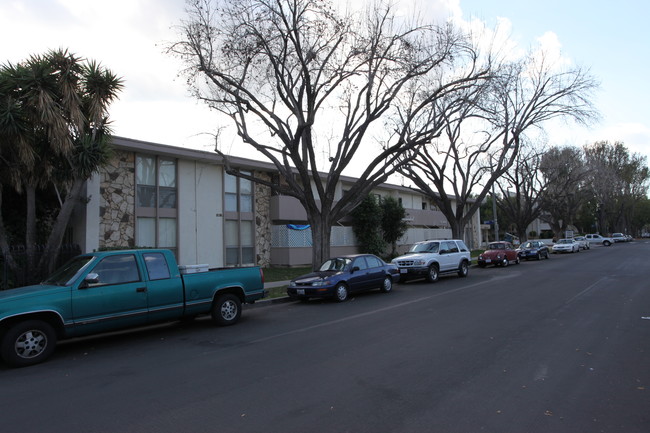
[431, 258]
[498, 254]
[619, 237]
[568, 245]
[340, 276]
[533, 250]
[598, 239]
[583, 243]
[105, 291]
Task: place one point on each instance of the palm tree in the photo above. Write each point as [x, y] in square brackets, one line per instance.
[58, 124]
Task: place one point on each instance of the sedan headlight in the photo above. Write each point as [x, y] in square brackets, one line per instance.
[320, 283]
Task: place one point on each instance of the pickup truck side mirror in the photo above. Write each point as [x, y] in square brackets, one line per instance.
[356, 268]
[91, 278]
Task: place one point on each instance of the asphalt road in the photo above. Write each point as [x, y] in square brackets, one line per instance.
[561, 345]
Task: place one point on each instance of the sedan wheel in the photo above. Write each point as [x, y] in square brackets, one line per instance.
[387, 286]
[341, 292]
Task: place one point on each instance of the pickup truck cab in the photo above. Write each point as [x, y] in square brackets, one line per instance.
[431, 258]
[105, 291]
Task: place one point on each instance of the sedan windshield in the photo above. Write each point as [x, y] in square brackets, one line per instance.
[67, 274]
[497, 246]
[565, 241]
[338, 264]
[528, 245]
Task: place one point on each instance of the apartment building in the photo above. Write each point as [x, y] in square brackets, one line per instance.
[154, 195]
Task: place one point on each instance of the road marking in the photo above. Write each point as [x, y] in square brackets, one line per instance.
[585, 291]
[381, 310]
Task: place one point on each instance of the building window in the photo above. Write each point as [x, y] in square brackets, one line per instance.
[238, 227]
[156, 202]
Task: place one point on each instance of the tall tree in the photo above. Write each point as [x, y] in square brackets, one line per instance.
[522, 187]
[565, 174]
[482, 139]
[56, 116]
[293, 75]
[393, 225]
[617, 181]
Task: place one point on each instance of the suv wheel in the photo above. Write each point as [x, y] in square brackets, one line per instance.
[432, 275]
[463, 270]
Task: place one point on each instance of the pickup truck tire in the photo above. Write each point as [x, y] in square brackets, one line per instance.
[226, 310]
[28, 343]
[607, 243]
[433, 273]
[463, 269]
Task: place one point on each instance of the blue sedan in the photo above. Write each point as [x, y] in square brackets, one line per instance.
[340, 276]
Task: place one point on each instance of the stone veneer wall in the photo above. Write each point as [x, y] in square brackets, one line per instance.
[117, 202]
[263, 221]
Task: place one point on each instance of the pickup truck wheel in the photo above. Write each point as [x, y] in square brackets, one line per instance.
[463, 269]
[432, 275]
[387, 285]
[28, 343]
[226, 310]
[607, 243]
[341, 292]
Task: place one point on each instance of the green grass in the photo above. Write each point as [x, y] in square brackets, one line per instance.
[284, 274]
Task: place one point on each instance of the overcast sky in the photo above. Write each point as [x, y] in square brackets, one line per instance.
[128, 36]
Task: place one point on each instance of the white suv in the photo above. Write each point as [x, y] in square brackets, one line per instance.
[431, 258]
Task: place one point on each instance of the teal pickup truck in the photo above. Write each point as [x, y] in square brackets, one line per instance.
[105, 291]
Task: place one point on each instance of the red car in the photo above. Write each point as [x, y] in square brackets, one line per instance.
[498, 254]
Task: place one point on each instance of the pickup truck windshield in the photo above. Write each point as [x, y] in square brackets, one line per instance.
[68, 273]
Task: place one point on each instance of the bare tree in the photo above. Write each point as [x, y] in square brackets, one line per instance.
[522, 188]
[289, 73]
[482, 139]
[617, 181]
[565, 175]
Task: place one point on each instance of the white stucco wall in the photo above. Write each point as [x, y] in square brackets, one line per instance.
[200, 220]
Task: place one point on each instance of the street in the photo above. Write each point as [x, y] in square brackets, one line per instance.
[560, 345]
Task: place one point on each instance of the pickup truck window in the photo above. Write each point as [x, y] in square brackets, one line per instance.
[156, 266]
[117, 269]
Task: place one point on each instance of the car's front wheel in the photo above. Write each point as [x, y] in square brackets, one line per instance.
[432, 274]
[607, 243]
[28, 343]
[505, 262]
[341, 292]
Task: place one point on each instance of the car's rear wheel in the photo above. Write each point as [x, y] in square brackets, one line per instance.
[341, 292]
[226, 310]
[432, 274]
[387, 285]
[463, 270]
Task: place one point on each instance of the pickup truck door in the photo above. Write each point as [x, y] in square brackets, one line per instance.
[117, 300]
[164, 287]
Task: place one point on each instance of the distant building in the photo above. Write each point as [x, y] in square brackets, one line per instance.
[154, 195]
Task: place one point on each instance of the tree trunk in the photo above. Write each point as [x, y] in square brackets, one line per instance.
[30, 229]
[321, 229]
[9, 261]
[53, 246]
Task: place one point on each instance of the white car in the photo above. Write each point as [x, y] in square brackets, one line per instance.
[431, 258]
[619, 237]
[566, 246]
[598, 239]
[583, 242]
